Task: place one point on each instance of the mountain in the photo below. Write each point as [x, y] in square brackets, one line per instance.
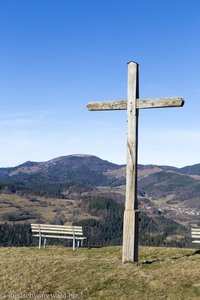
[72, 169]
[72, 162]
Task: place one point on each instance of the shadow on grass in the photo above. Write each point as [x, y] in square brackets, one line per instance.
[149, 262]
[196, 252]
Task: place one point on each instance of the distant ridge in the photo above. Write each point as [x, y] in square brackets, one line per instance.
[193, 170]
[63, 165]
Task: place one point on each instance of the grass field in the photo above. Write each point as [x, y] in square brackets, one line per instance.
[61, 273]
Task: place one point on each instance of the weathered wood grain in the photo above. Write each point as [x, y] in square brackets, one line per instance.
[130, 229]
[140, 104]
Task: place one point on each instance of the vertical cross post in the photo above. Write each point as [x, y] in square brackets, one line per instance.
[130, 229]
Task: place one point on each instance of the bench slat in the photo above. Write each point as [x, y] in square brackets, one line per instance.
[195, 236]
[56, 226]
[60, 237]
[195, 228]
[59, 232]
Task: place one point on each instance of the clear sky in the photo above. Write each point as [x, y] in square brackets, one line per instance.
[58, 55]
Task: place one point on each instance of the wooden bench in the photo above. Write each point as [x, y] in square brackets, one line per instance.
[195, 233]
[74, 233]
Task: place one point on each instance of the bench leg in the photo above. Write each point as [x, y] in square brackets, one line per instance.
[78, 243]
[82, 243]
[74, 243]
[45, 241]
[40, 241]
[40, 237]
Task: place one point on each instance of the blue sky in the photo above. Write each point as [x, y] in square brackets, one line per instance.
[58, 55]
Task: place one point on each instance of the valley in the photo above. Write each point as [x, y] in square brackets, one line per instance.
[69, 190]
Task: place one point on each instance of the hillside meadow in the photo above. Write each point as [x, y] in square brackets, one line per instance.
[97, 273]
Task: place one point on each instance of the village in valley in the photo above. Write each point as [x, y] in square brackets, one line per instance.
[175, 211]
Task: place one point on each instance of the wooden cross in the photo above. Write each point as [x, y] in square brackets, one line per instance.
[132, 105]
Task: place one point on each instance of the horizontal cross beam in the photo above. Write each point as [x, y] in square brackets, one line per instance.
[141, 103]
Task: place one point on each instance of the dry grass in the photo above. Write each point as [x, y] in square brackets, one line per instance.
[99, 274]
